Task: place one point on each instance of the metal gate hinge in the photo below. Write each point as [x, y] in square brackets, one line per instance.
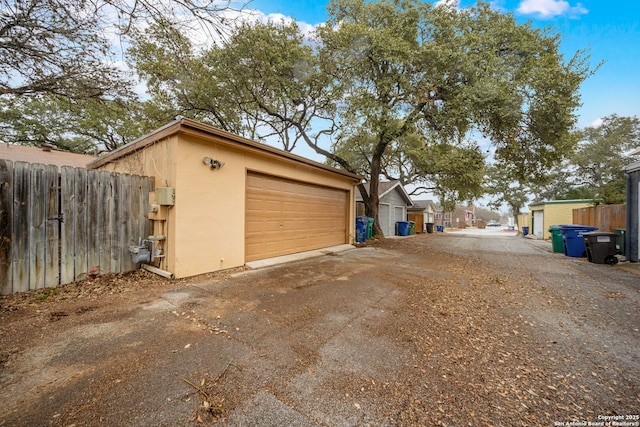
[57, 218]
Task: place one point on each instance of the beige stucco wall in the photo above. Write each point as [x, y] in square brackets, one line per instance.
[205, 227]
[524, 220]
[557, 212]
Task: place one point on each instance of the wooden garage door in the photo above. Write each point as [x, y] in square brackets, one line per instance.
[285, 216]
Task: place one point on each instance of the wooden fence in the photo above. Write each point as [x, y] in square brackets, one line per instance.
[605, 217]
[57, 227]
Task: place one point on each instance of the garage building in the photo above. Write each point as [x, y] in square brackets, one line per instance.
[222, 200]
[632, 175]
[552, 212]
[392, 207]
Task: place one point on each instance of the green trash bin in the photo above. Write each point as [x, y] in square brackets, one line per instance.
[556, 238]
[412, 228]
[370, 227]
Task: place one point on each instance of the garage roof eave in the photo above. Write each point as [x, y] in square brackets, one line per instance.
[632, 167]
[561, 202]
[192, 127]
[138, 144]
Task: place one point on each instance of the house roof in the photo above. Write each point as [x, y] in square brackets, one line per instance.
[422, 205]
[384, 188]
[185, 126]
[561, 202]
[22, 153]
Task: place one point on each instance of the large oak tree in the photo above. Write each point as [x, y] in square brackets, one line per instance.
[381, 76]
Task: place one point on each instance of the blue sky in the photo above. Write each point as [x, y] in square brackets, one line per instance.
[610, 30]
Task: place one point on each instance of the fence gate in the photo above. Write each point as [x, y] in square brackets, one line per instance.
[57, 227]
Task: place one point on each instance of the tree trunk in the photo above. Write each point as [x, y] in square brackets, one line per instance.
[372, 202]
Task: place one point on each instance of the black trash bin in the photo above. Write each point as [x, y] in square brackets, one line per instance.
[429, 227]
[601, 247]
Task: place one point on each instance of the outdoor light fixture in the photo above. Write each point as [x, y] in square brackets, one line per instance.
[215, 164]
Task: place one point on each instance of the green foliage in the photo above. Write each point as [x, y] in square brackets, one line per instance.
[504, 190]
[456, 171]
[405, 65]
[53, 47]
[59, 78]
[178, 81]
[64, 47]
[601, 154]
[487, 214]
[81, 125]
[44, 295]
[593, 172]
[274, 77]
[391, 88]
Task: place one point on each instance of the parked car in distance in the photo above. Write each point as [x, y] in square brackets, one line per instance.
[494, 224]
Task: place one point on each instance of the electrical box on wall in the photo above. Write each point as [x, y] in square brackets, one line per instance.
[165, 196]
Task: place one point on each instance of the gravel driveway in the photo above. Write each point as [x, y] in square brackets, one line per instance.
[437, 329]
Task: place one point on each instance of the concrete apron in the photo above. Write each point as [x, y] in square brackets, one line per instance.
[261, 263]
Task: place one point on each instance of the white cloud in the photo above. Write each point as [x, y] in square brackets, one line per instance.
[596, 123]
[305, 29]
[454, 4]
[550, 8]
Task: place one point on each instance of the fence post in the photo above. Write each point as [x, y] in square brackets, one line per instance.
[6, 235]
[81, 237]
[20, 219]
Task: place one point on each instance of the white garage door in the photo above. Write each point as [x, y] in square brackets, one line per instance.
[538, 224]
[383, 216]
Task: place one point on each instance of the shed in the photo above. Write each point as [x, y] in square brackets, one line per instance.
[223, 200]
[524, 220]
[393, 205]
[548, 213]
[422, 212]
[632, 241]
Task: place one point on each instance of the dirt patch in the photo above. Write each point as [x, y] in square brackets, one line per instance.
[398, 332]
[500, 349]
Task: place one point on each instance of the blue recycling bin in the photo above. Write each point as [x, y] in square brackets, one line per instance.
[572, 239]
[403, 228]
[525, 230]
[361, 228]
[440, 228]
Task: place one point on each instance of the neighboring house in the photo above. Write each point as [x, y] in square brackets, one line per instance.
[463, 217]
[443, 218]
[553, 212]
[393, 205]
[632, 174]
[422, 212]
[45, 155]
[222, 200]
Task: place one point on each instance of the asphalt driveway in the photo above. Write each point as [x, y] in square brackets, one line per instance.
[436, 329]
